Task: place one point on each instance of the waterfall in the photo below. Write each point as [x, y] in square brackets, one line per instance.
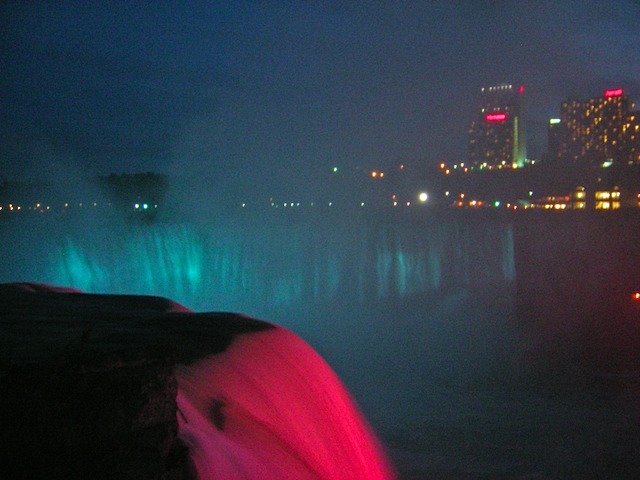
[244, 267]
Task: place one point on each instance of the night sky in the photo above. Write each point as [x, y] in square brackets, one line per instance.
[267, 92]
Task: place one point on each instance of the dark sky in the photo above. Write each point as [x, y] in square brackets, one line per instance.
[287, 89]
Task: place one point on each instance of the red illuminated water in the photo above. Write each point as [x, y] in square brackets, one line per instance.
[269, 407]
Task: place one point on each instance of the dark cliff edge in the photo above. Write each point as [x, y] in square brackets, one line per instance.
[87, 385]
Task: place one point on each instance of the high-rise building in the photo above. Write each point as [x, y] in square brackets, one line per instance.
[571, 143]
[556, 137]
[497, 133]
[631, 137]
[597, 131]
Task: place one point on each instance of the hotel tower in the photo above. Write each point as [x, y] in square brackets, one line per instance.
[497, 131]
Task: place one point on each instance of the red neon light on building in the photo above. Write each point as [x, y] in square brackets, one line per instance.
[496, 117]
[521, 89]
[613, 93]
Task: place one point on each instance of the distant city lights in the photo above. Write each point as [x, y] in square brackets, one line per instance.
[468, 168]
[578, 199]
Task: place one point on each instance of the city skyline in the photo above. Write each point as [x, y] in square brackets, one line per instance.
[256, 92]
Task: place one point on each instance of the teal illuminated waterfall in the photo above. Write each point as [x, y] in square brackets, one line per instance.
[248, 267]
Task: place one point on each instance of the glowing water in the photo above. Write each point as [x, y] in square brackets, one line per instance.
[250, 268]
[270, 408]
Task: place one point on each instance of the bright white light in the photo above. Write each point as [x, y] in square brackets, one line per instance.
[423, 197]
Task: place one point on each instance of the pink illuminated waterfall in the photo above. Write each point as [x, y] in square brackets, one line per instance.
[269, 407]
[254, 401]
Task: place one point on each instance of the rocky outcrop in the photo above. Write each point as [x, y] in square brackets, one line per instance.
[90, 414]
[75, 405]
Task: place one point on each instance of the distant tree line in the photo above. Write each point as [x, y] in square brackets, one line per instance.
[125, 191]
